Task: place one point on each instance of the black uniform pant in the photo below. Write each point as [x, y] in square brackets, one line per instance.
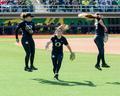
[57, 61]
[100, 45]
[29, 47]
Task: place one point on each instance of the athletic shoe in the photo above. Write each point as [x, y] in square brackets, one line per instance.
[34, 68]
[56, 76]
[98, 67]
[30, 70]
[105, 66]
[26, 68]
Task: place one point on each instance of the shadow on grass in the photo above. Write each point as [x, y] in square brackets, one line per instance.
[65, 83]
[114, 83]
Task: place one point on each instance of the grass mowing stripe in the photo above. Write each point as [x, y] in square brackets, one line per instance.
[79, 78]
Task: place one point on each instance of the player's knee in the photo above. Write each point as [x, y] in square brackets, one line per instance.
[32, 54]
[101, 54]
[28, 54]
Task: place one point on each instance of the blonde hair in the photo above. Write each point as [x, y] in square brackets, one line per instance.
[60, 28]
[23, 15]
[63, 27]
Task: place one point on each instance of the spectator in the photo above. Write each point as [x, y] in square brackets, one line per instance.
[114, 2]
[45, 28]
[85, 4]
[73, 28]
[52, 27]
[75, 8]
[9, 23]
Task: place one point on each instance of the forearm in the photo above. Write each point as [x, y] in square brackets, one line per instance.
[16, 34]
[86, 15]
[105, 28]
[103, 25]
[17, 31]
[69, 48]
[90, 16]
[47, 45]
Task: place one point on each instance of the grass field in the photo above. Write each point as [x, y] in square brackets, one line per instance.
[78, 78]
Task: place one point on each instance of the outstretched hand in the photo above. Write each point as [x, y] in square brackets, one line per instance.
[72, 56]
[17, 40]
[105, 37]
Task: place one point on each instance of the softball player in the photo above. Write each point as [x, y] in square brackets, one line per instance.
[28, 28]
[58, 40]
[99, 39]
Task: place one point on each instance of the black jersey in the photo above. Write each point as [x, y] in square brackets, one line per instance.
[25, 32]
[58, 44]
[99, 28]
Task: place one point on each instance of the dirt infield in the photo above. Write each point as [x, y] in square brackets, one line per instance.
[86, 45]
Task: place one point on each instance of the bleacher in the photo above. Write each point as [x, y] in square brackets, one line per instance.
[47, 12]
[16, 6]
[48, 6]
[82, 5]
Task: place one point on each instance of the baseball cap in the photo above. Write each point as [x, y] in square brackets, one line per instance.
[29, 15]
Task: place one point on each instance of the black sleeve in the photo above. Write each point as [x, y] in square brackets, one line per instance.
[17, 29]
[52, 39]
[33, 27]
[65, 41]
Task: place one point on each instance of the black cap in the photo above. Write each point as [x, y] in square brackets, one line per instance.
[97, 13]
[29, 15]
[24, 15]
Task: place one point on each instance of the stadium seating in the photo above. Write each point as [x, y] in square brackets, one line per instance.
[60, 6]
[87, 5]
[57, 6]
[16, 6]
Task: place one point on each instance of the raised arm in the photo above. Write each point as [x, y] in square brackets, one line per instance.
[86, 15]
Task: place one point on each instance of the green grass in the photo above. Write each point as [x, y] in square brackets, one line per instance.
[79, 78]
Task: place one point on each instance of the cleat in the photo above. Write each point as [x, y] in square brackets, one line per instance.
[105, 66]
[98, 67]
[34, 68]
[56, 77]
[26, 68]
[30, 70]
